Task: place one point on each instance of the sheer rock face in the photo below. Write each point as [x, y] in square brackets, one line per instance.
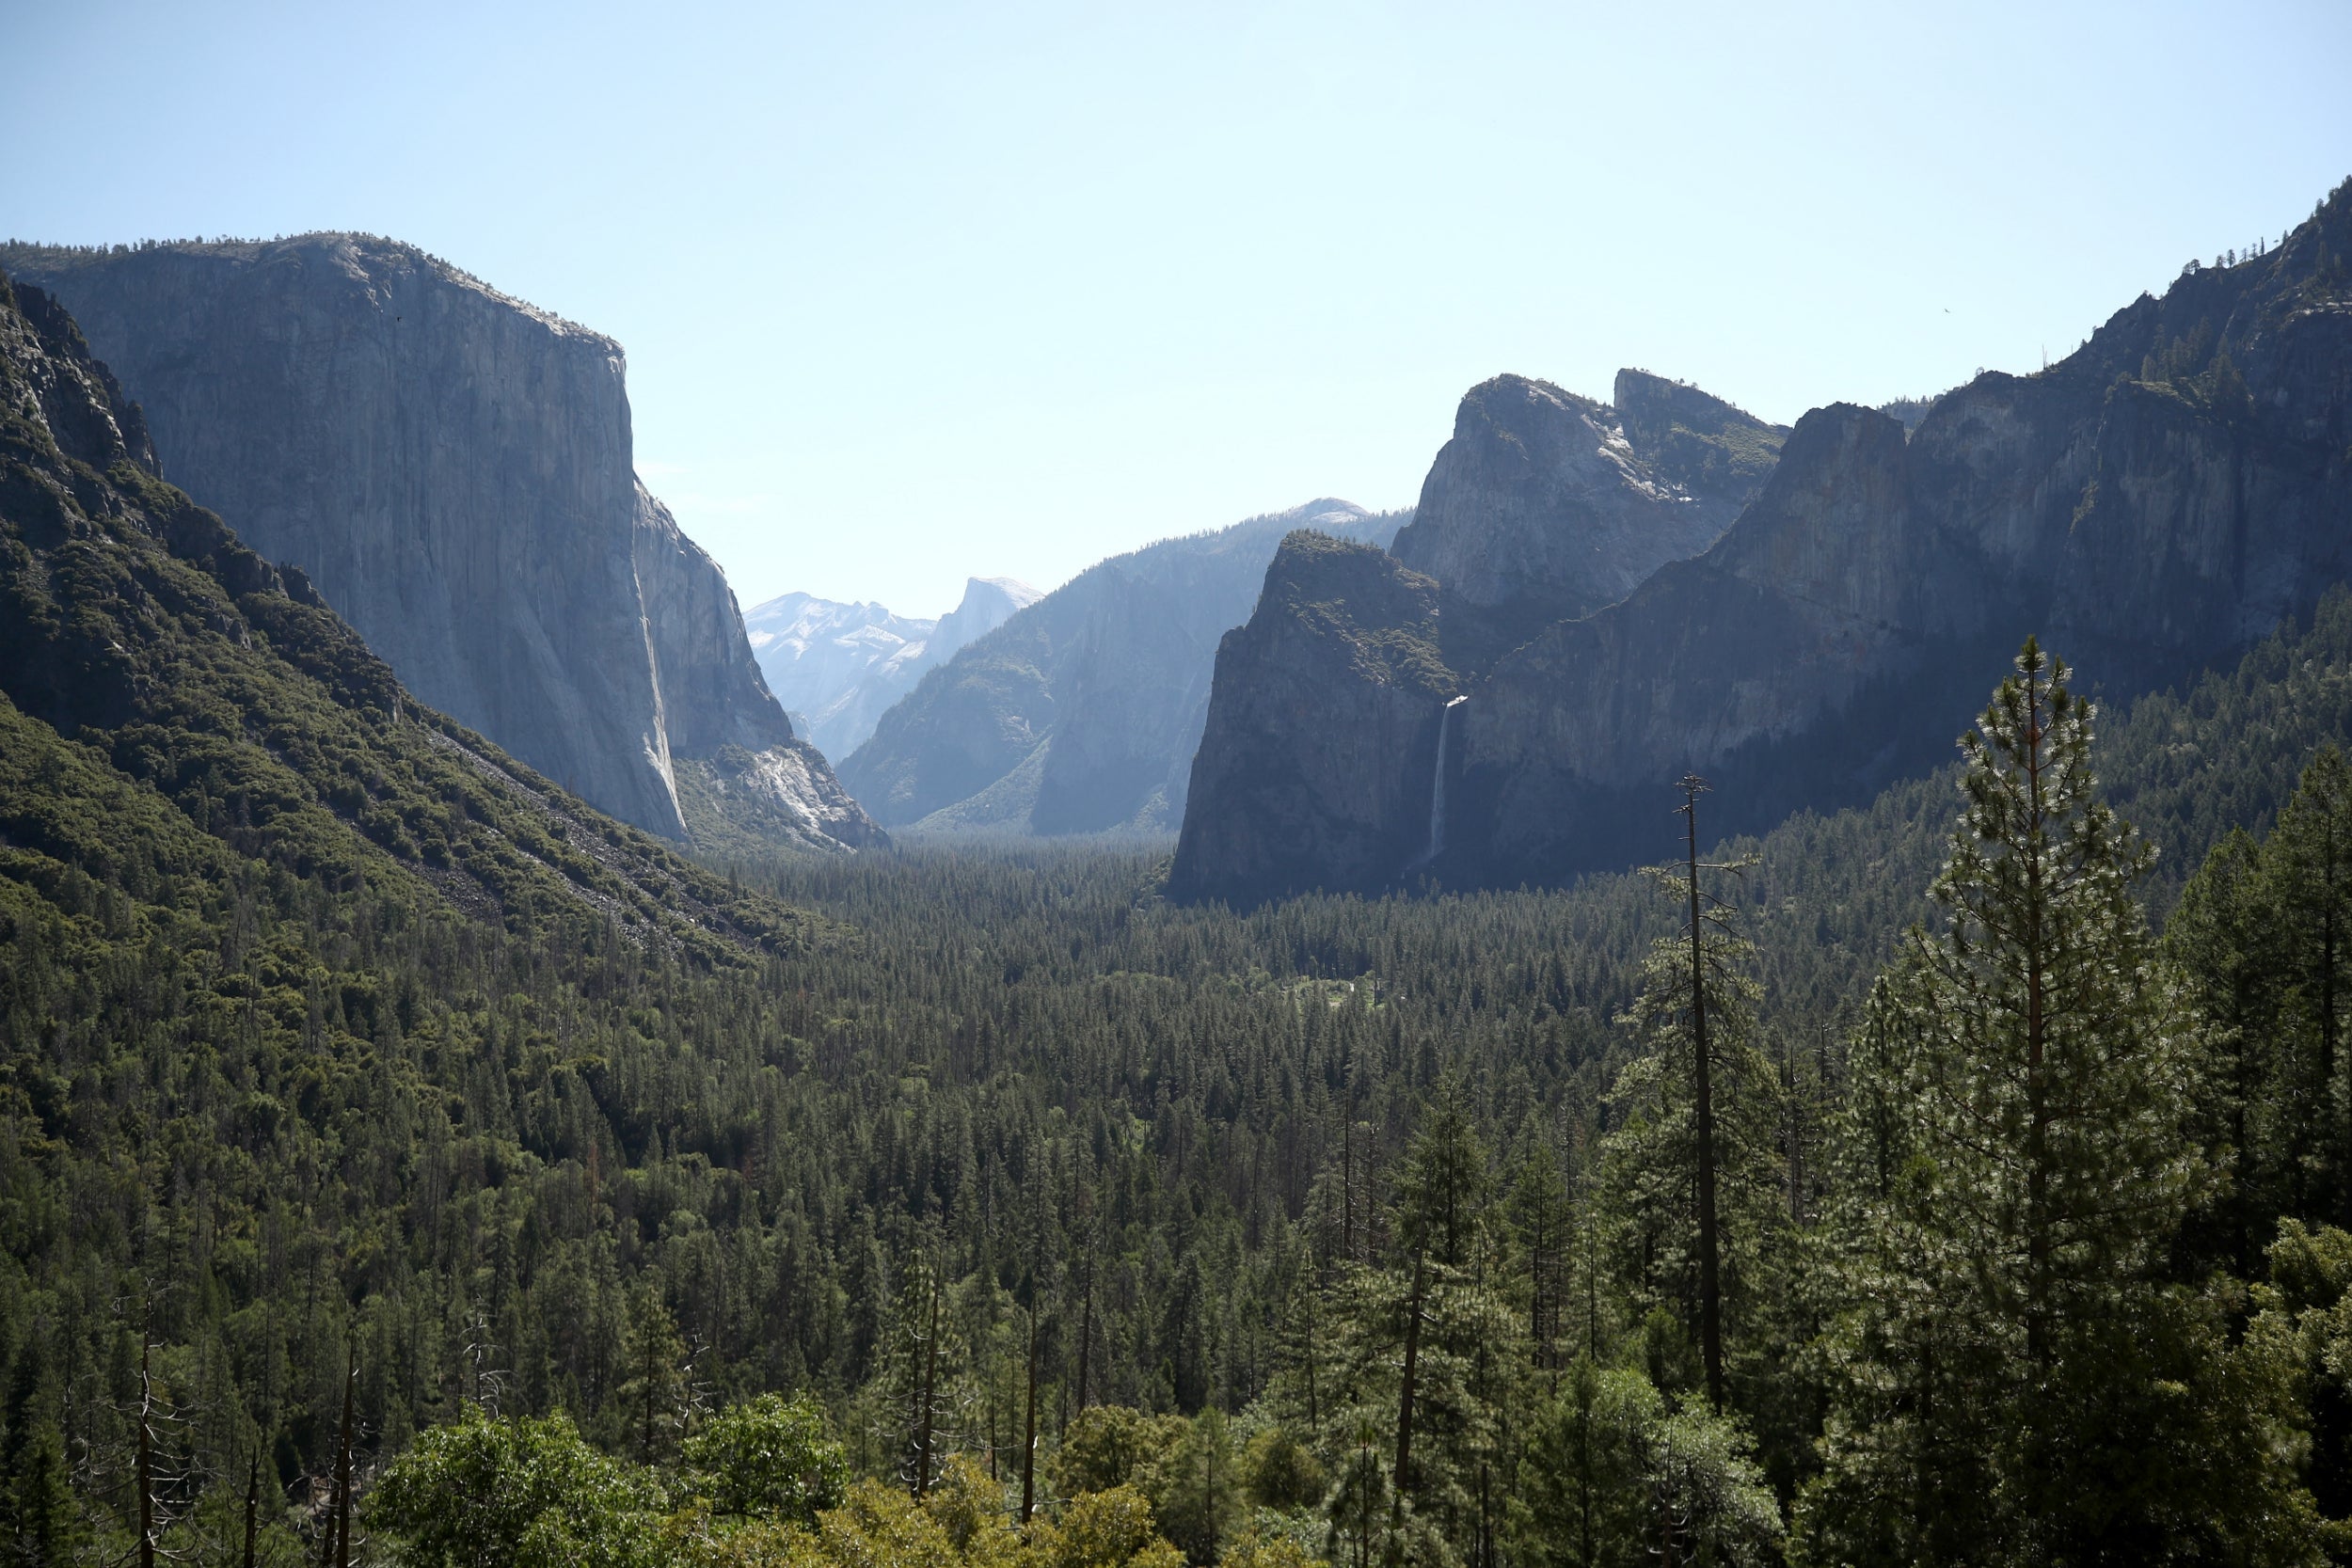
[1550, 505]
[2147, 507]
[454, 470]
[1342, 646]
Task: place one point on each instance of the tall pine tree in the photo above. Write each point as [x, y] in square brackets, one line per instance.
[1692, 1176]
[2016, 1378]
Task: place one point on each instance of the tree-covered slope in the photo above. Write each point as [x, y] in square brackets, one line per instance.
[321, 1053]
[1830, 891]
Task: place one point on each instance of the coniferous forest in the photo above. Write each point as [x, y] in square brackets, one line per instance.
[1960, 1179]
[405, 1163]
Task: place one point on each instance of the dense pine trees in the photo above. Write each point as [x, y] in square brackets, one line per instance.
[2021, 1372]
[1366, 1230]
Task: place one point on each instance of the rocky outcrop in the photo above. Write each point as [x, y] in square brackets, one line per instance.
[838, 668]
[1082, 712]
[987, 603]
[75, 397]
[2147, 506]
[1546, 505]
[738, 800]
[452, 468]
[1714, 452]
[1343, 643]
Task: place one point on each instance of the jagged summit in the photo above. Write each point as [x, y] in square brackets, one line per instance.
[987, 603]
[1547, 504]
[838, 667]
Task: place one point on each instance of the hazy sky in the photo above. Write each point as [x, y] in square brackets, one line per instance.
[911, 293]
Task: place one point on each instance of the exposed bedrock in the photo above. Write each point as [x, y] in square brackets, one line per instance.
[454, 470]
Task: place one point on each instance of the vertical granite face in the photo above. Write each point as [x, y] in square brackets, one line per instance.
[2147, 507]
[1343, 645]
[452, 468]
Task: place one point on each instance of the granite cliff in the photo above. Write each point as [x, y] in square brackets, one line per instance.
[1080, 714]
[838, 668]
[452, 468]
[192, 730]
[1344, 645]
[2147, 506]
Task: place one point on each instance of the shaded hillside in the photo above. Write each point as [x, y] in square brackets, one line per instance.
[2186, 766]
[452, 468]
[2152, 503]
[1081, 713]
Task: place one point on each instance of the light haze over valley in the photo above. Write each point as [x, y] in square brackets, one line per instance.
[1053, 787]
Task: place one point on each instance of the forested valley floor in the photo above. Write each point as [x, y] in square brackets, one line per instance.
[997, 1209]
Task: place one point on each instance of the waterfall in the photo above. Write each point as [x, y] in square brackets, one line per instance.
[1437, 787]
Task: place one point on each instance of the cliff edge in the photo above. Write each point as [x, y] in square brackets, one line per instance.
[452, 468]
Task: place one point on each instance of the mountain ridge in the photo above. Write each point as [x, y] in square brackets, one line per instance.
[837, 667]
[2153, 502]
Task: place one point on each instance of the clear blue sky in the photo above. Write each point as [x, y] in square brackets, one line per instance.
[910, 293]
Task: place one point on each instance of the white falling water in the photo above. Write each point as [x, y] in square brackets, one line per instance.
[1437, 787]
